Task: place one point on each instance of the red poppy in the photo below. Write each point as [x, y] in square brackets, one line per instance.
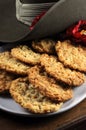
[78, 32]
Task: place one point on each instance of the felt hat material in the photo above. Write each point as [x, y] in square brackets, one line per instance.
[60, 16]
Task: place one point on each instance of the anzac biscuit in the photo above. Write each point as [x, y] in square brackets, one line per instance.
[44, 46]
[8, 63]
[72, 56]
[30, 98]
[5, 80]
[61, 73]
[25, 54]
[48, 86]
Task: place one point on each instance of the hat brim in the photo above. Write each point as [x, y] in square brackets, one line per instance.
[59, 17]
[11, 29]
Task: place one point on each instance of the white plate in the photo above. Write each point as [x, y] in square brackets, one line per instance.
[9, 105]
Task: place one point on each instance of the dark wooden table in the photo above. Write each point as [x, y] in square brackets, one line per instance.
[74, 119]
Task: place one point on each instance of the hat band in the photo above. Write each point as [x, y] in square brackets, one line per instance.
[26, 13]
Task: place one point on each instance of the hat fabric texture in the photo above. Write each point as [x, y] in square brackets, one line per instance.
[60, 16]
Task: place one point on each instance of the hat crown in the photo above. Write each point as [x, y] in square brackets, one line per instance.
[37, 1]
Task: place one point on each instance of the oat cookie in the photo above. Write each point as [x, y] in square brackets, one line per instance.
[8, 63]
[71, 55]
[61, 73]
[25, 54]
[30, 98]
[44, 46]
[5, 80]
[48, 86]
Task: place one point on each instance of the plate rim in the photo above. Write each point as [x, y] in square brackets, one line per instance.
[41, 115]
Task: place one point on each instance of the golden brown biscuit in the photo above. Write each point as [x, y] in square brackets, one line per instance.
[48, 86]
[44, 46]
[5, 80]
[8, 63]
[25, 54]
[61, 73]
[30, 98]
[72, 56]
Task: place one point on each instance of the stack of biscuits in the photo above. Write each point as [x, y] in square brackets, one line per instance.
[41, 77]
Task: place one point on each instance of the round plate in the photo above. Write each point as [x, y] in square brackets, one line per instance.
[9, 105]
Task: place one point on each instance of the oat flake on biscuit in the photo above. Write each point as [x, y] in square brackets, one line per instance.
[5, 80]
[11, 64]
[44, 46]
[61, 73]
[48, 86]
[30, 98]
[25, 54]
[72, 56]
